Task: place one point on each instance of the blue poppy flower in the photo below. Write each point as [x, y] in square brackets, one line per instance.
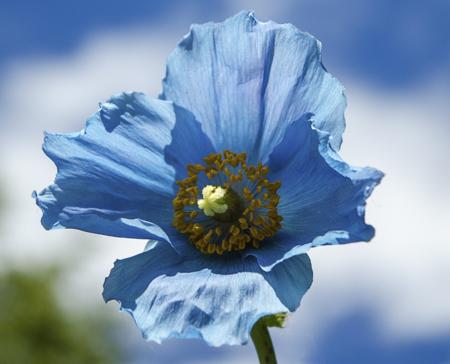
[232, 175]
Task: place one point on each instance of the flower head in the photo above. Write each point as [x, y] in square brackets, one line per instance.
[232, 175]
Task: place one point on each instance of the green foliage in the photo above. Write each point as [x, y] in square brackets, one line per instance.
[34, 329]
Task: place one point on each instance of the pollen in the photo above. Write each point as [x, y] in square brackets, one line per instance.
[225, 205]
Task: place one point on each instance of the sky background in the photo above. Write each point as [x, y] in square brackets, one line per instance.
[383, 302]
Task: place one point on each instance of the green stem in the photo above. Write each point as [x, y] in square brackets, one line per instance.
[263, 343]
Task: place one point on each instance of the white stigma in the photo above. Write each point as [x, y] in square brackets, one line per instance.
[213, 200]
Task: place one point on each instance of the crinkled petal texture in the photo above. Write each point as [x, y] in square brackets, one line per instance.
[240, 85]
[322, 199]
[247, 81]
[217, 300]
[113, 177]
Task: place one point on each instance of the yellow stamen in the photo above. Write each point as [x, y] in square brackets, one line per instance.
[238, 210]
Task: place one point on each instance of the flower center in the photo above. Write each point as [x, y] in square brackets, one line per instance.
[225, 205]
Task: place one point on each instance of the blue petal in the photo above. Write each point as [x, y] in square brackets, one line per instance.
[217, 300]
[322, 199]
[246, 81]
[112, 177]
[189, 143]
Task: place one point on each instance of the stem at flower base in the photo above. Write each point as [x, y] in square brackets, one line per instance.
[263, 343]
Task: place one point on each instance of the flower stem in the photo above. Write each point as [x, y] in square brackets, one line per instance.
[263, 343]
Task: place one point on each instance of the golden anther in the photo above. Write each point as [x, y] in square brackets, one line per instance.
[197, 229]
[240, 205]
[251, 216]
[243, 223]
[258, 221]
[242, 157]
[195, 168]
[227, 154]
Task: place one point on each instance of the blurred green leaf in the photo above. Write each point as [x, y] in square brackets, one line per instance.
[34, 329]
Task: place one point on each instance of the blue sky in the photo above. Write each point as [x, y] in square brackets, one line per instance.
[384, 302]
[387, 43]
[357, 338]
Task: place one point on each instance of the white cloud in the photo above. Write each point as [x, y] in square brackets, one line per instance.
[58, 94]
[404, 274]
